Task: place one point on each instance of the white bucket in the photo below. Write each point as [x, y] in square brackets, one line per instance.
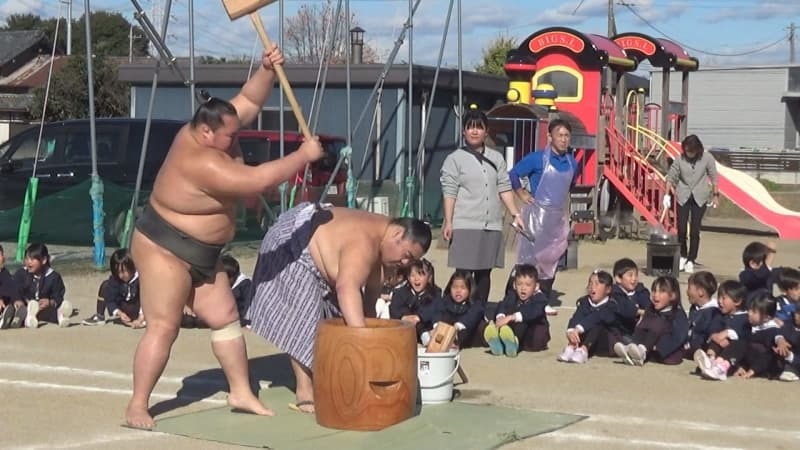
[435, 372]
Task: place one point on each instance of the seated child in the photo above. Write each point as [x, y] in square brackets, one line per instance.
[705, 318]
[241, 286]
[119, 294]
[723, 346]
[521, 322]
[413, 301]
[43, 289]
[786, 343]
[393, 279]
[458, 308]
[788, 281]
[660, 334]
[757, 258]
[594, 328]
[632, 297]
[759, 359]
[12, 307]
[549, 310]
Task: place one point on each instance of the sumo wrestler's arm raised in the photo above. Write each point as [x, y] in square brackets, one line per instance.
[222, 174]
[254, 93]
[356, 262]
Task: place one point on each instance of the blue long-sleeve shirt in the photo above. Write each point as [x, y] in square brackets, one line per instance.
[468, 313]
[673, 341]
[530, 311]
[703, 322]
[628, 305]
[588, 315]
[532, 167]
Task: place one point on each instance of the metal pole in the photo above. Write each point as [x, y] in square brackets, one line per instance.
[281, 125]
[191, 55]
[347, 57]
[791, 42]
[90, 86]
[460, 36]
[146, 137]
[69, 27]
[409, 96]
[130, 44]
[96, 191]
[426, 117]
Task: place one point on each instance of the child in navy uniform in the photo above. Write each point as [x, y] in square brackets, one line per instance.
[726, 346]
[43, 289]
[521, 321]
[414, 300]
[788, 281]
[241, 286]
[759, 360]
[631, 296]
[660, 334]
[12, 307]
[786, 345]
[757, 275]
[705, 318]
[594, 328]
[119, 294]
[458, 308]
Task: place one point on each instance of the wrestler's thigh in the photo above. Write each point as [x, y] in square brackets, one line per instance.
[164, 282]
[214, 302]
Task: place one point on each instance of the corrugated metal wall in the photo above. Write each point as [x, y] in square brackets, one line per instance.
[733, 108]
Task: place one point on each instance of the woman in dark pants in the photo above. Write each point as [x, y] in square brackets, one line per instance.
[694, 177]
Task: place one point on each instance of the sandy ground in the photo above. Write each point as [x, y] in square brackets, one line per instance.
[67, 388]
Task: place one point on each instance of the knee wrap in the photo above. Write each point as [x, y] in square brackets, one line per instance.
[230, 331]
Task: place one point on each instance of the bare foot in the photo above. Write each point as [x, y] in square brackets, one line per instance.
[249, 404]
[139, 418]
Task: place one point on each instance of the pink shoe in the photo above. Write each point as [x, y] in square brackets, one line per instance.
[580, 356]
[717, 371]
[566, 354]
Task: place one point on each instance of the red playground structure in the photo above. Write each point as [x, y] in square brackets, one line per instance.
[623, 145]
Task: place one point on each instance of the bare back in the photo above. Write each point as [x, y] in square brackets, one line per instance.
[347, 229]
[182, 198]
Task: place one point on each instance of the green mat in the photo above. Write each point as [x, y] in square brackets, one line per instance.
[451, 425]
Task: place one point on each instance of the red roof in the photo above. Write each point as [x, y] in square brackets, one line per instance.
[606, 44]
[673, 48]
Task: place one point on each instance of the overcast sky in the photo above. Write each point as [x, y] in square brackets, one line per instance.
[725, 27]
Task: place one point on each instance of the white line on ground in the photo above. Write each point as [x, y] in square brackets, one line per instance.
[696, 426]
[72, 387]
[103, 373]
[638, 443]
[98, 440]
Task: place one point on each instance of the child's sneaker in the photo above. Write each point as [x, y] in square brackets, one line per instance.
[31, 321]
[63, 313]
[566, 354]
[6, 317]
[621, 351]
[550, 311]
[19, 317]
[637, 353]
[717, 371]
[509, 340]
[580, 356]
[492, 337]
[96, 319]
[702, 360]
[682, 264]
[688, 267]
[789, 374]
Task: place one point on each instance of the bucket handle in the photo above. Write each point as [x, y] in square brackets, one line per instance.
[457, 358]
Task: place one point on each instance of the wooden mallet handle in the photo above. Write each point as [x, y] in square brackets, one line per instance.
[298, 113]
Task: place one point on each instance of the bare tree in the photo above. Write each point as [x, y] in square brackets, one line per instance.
[308, 35]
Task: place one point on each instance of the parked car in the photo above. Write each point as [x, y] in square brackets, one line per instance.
[64, 158]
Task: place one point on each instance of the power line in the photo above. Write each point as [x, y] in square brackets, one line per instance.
[749, 52]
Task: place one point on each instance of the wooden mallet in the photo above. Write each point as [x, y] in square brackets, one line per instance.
[237, 9]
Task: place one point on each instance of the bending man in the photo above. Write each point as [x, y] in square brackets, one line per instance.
[181, 232]
[313, 264]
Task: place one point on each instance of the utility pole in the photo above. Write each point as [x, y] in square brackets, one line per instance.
[69, 25]
[791, 42]
[130, 44]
